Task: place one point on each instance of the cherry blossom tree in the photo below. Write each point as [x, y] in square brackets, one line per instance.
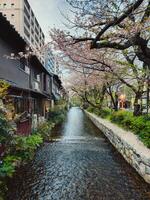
[111, 37]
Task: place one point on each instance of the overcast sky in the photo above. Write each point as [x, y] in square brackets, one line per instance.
[48, 13]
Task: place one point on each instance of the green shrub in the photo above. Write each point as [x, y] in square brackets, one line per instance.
[45, 129]
[57, 114]
[7, 169]
[105, 113]
[20, 150]
[144, 134]
[94, 110]
[139, 125]
[8, 165]
[118, 117]
[90, 109]
[4, 130]
[127, 121]
[25, 147]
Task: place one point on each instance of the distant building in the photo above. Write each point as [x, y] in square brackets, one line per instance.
[49, 60]
[21, 16]
[57, 70]
[51, 63]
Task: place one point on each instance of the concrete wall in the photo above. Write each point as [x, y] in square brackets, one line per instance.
[129, 146]
[14, 13]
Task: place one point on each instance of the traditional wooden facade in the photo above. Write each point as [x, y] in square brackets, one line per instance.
[31, 85]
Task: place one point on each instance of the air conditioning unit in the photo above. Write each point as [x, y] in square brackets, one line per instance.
[36, 86]
[38, 78]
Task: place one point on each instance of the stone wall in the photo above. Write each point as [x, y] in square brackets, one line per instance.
[127, 143]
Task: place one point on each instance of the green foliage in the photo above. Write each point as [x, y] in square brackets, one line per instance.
[57, 114]
[144, 135]
[91, 109]
[3, 88]
[4, 129]
[139, 125]
[120, 117]
[21, 149]
[7, 169]
[105, 113]
[76, 101]
[24, 147]
[45, 129]
[9, 164]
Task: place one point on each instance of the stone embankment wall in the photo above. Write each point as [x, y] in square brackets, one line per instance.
[127, 143]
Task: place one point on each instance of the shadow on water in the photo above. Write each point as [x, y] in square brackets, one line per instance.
[81, 165]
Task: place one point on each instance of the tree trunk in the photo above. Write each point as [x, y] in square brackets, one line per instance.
[102, 97]
[137, 105]
[114, 99]
[116, 102]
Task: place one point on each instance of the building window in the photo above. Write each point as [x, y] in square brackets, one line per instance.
[27, 4]
[27, 13]
[36, 22]
[21, 105]
[32, 40]
[32, 24]
[4, 5]
[36, 30]
[23, 66]
[26, 32]
[22, 63]
[12, 5]
[12, 16]
[32, 14]
[26, 22]
[44, 82]
[32, 32]
[36, 38]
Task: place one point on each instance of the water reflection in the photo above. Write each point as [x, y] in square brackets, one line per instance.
[78, 126]
[83, 165]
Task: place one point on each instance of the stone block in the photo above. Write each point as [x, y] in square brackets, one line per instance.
[147, 170]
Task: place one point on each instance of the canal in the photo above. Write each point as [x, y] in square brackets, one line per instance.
[79, 164]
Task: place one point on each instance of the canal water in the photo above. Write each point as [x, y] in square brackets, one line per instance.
[80, 164]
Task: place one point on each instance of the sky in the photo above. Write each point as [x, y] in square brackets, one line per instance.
[48, 13]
